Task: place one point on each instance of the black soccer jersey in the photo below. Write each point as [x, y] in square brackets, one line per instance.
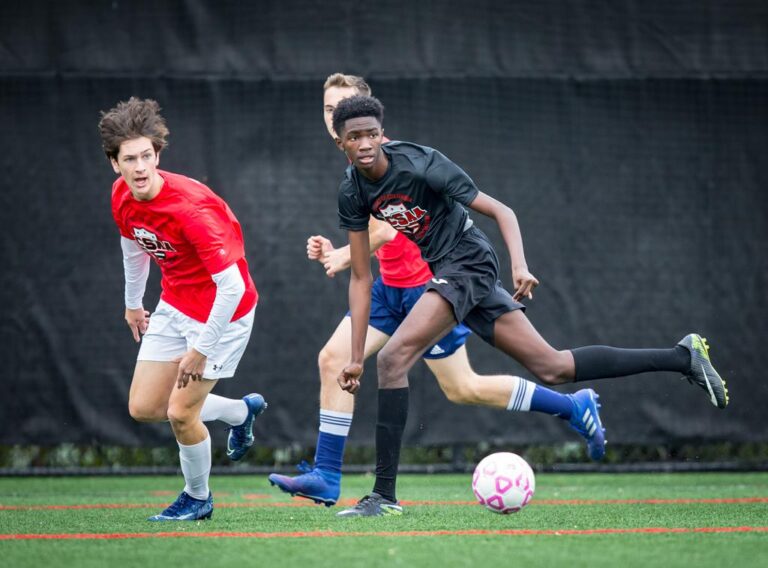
[421, 195]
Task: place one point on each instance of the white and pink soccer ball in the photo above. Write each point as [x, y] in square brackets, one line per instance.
[503, 482]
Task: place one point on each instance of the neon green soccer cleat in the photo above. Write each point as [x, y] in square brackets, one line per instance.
[702, 372]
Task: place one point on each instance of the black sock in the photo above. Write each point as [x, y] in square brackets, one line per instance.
[601, 362]
[393, 413]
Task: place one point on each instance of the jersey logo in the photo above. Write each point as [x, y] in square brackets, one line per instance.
[402, 219]
[151, 244]
[439, 281]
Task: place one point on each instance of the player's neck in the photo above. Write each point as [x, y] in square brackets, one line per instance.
[378, 170]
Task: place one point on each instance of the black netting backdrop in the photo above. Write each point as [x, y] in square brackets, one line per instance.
[628, 136]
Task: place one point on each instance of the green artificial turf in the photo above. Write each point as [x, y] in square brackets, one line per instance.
[277, 530]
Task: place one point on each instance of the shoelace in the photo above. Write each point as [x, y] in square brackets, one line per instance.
[364, 501]
[179, 504]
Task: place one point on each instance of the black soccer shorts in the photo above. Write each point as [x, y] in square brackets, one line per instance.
[468, 278]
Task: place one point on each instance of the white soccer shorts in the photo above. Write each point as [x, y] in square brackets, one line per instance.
[171, 334]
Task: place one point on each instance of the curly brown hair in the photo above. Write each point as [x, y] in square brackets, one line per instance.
[131, 119]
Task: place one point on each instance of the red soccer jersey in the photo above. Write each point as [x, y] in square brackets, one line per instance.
[191, 233]
[401, 265]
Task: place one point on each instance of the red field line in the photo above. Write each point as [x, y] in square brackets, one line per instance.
[327, 534]
[345, 502]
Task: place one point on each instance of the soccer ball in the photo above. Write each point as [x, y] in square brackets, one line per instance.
[503, 482]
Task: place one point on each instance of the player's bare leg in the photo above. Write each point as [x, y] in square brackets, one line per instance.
[184, 411]
[515, 335]
[322, 483]
[154, 397]
[151, 387]
[334, 356]
[430, 319]
[462, 385]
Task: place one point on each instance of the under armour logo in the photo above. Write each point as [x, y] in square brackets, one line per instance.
[439, 281]
[217, 367]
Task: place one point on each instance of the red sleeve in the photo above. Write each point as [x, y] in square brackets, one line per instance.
[116, 201]
[215, 238]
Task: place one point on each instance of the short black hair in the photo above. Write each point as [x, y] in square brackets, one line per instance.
[355, 107]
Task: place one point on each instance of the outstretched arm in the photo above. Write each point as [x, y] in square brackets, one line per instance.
[360, 283]
[524, 281]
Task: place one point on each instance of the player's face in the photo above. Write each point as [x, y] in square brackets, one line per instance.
[361, 141]
[137, 162]
[332, 97]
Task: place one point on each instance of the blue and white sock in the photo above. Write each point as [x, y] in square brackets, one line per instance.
[331, 438]
[527, 396]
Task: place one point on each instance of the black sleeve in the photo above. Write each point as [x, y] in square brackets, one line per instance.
[443, 176]
[353, 213]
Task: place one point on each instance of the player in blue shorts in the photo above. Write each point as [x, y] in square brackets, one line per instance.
[425, 196]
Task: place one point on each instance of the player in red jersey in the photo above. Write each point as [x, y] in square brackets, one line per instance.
[203, 321]
[404, 275]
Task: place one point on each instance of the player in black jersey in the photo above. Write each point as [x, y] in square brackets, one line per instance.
[423, 194]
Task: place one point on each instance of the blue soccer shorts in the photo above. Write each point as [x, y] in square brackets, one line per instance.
[390, 305]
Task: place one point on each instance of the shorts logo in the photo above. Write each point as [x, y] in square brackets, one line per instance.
[439, 281]
[217, 367]
[151, 244]
[436, 350]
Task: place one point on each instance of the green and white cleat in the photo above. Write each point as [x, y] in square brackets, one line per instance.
[702, 372]
[372, 505]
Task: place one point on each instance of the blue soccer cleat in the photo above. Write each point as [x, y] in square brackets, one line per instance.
[240, 438]
[187, 508]
[319, 485]
[585, 419]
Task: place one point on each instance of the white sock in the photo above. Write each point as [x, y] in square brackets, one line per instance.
[233, 411]
[520, 397]
[336, 423]
[196, 467]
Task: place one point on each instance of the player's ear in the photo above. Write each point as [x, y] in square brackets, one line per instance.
[339, 143]
[114, 165]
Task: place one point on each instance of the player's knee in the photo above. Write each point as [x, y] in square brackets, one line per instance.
[392, 368]
[555, 370]
[144, 413]
[330, 363]
[550, 378]
[554, 374]
[180, 416]
[460, 392]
